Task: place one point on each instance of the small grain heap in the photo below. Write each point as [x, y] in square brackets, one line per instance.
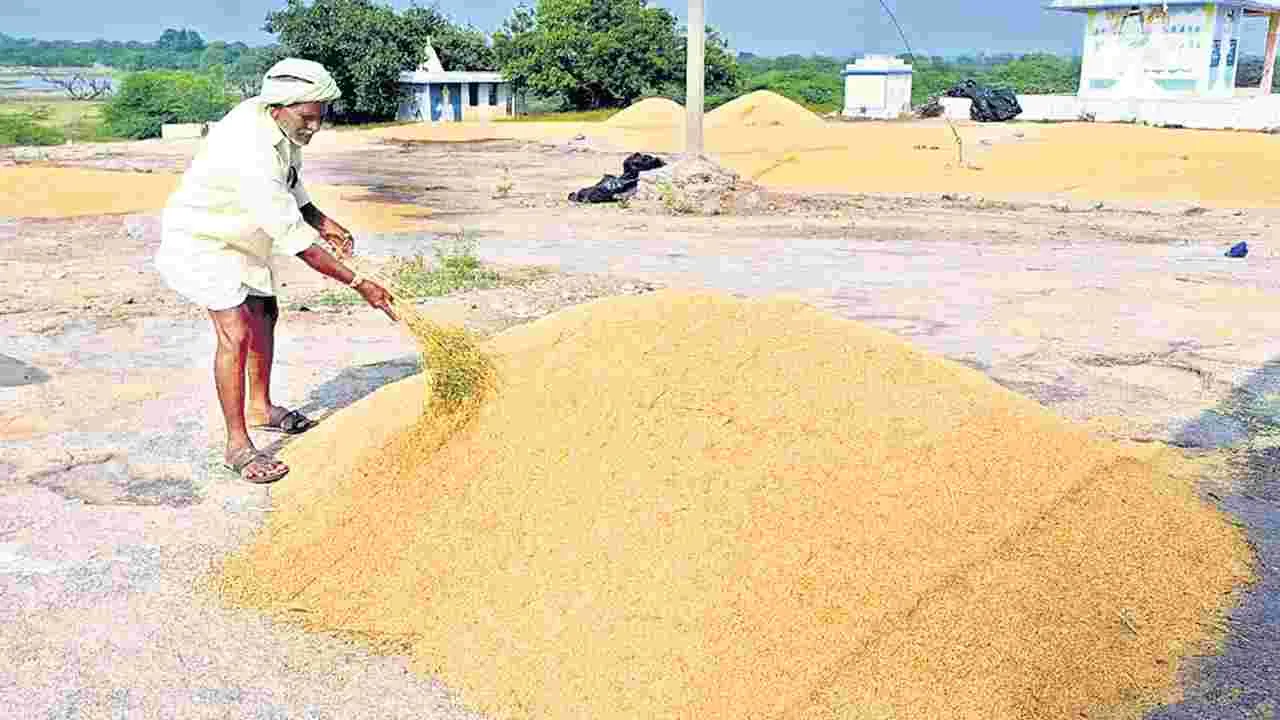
[693, 506]
[763, 108]
[650, 113]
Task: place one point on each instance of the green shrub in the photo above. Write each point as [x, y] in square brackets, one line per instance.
[148, 100]
[24, 129]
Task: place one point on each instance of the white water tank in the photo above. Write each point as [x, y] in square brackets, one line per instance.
[877, 86]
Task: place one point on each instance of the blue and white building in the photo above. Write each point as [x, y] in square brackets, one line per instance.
[1163, 50]
[1168, 64]
[432, 94]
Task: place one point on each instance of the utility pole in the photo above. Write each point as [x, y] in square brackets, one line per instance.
[1269, 61]
[696, 77]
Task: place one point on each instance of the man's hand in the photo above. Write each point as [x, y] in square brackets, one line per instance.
[377, 297]
[339, 237]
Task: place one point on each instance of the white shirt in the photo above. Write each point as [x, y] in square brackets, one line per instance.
[236, 207]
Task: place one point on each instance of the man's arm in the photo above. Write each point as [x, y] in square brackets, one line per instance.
[326, 264]
[331, 231]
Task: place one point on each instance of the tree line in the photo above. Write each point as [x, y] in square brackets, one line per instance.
[567, 54]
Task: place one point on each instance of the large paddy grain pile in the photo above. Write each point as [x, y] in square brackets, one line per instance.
[691, 506]
[650, 113]
[763, 108]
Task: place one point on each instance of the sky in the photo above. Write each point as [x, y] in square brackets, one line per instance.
[764, 27]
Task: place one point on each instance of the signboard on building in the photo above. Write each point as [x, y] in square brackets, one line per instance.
[1154, 51]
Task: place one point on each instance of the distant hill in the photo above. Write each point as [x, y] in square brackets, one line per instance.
[5, 39]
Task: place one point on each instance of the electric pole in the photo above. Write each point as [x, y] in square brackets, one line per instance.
[696, 77]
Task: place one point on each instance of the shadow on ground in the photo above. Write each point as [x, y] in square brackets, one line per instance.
[350, 386]
[1244, 680]
[355, 383]
[15, 373]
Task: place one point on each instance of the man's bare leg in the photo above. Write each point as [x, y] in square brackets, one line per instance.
[263, 314]
[234, 329]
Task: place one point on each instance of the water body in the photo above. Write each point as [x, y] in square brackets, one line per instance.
[28, 84]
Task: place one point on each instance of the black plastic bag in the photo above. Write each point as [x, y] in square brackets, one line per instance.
[989, 104]
[638, 163]
[607, 190]
[611, 187]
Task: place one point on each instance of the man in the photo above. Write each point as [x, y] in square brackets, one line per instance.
[239, 206]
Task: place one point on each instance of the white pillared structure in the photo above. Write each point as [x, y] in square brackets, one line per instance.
[1161, 63]
[877, 86]
[432, 94]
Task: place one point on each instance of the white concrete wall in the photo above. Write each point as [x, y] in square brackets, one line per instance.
[1247, 112]
[182, 131]
[877, 87]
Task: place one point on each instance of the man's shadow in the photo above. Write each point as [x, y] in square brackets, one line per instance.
[349, 387]
[1244, 679]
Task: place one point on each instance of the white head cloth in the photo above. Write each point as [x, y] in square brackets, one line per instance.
[293, 80]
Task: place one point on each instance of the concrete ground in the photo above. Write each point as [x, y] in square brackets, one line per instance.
[113, 506]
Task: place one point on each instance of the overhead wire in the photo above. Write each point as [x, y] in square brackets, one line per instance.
[912, 57]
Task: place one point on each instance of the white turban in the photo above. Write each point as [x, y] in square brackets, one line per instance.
[292, 81]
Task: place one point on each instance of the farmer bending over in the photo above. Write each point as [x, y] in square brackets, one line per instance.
[240, 206]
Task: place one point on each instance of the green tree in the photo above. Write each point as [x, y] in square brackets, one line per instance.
[180, 40]
[245, 75]
[601, 53]
[722, 73]
[459, 48]
[366, 46]
[148, 100]
[1038, 73]
[215, 53]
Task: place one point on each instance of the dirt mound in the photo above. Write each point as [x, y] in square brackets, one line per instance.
[763, 108]
[693, 186]
[650, 113]
[686, 505]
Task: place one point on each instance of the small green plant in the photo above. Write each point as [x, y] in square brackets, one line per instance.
[674, 200]
[505, 185]
[456, 268]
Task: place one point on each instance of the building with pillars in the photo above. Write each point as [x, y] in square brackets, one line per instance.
[1164, 50]
[432, 94]
[1171, 64]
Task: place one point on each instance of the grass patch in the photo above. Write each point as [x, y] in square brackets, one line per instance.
[26, 129]
[456, 268]
[577, 116]
[75, 120]
[345, 127]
